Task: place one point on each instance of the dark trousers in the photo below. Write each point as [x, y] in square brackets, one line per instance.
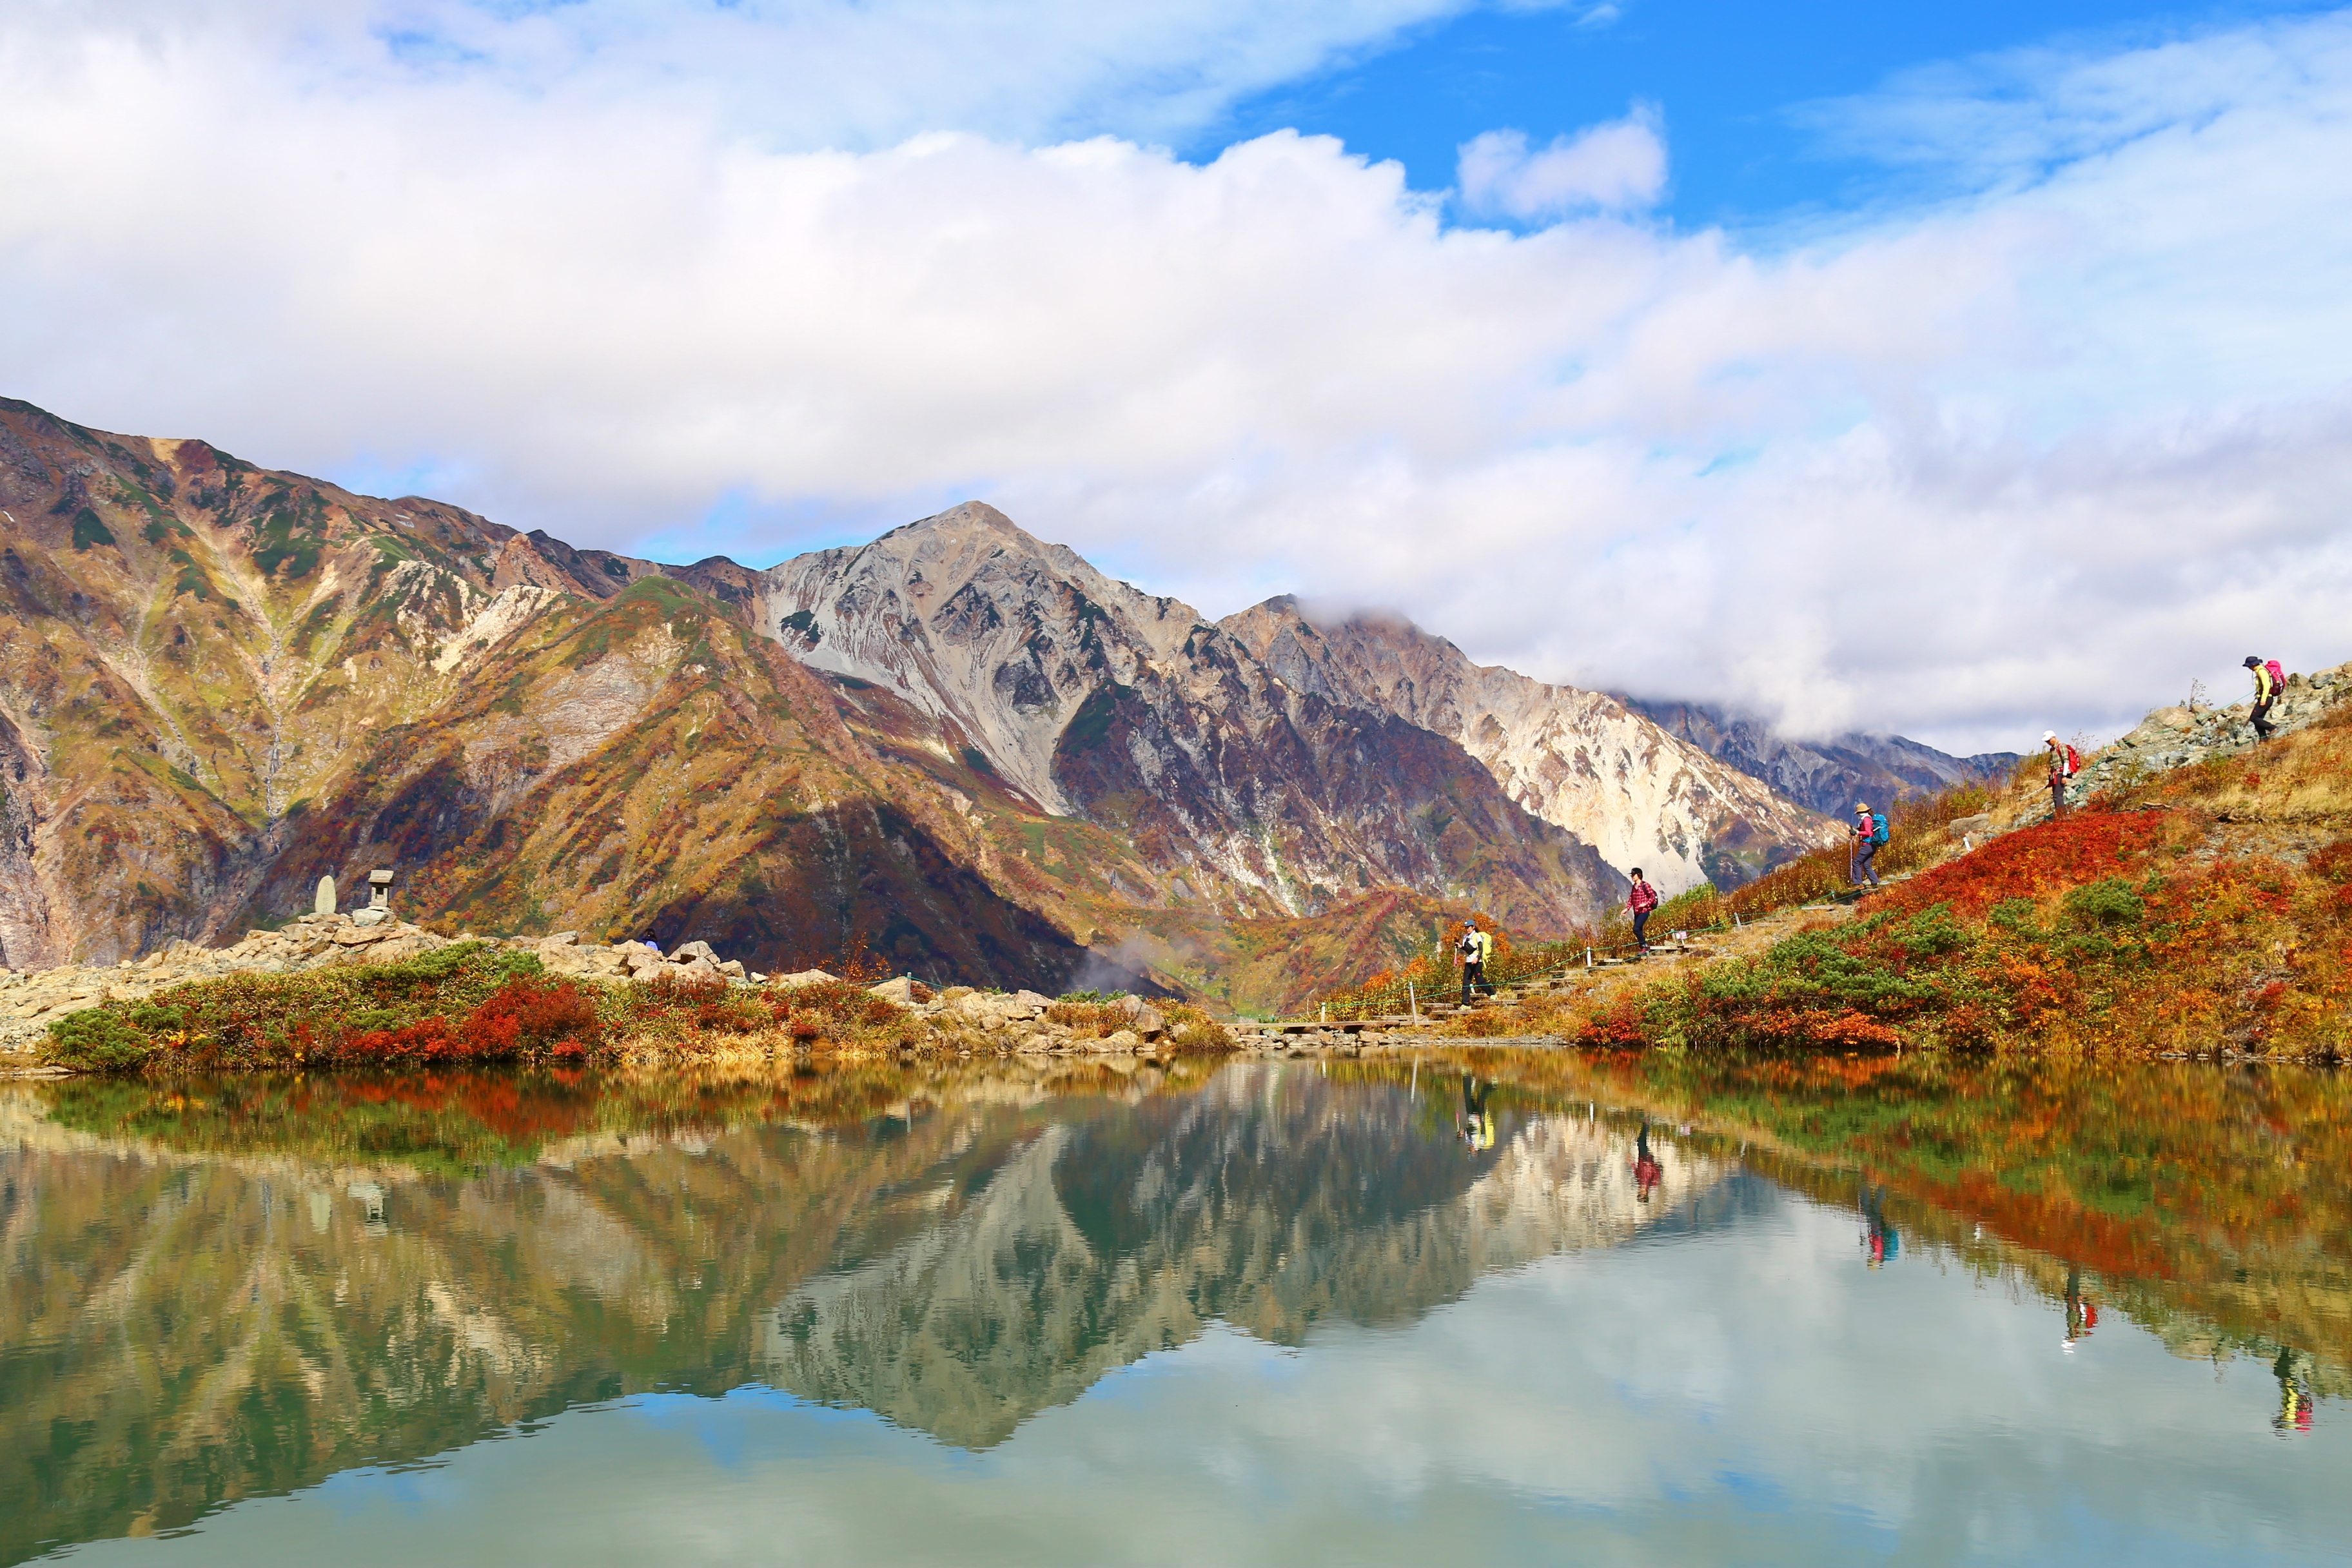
[2261, 718]
[1863, 854]
[1640, 927]
[2057, 795]
[1472, 977]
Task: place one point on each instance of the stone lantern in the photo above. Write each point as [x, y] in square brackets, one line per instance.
[379, 906]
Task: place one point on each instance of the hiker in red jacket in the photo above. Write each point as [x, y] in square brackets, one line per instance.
[1870, 831]
[2064, 763]
[1643, 899]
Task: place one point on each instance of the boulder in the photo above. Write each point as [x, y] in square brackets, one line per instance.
[901, 991]
[1970, 827]
[1123, 1040]
[695, 969]
[805, 977]
[1149, 1021]
[688, 952]
[561, 939]
[733, 970]
[370, 917]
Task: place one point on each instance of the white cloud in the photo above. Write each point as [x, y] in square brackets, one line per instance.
[1617, 167]
[2036, 453]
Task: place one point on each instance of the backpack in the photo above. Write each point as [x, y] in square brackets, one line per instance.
[2278, 677]
[2074, 762]
[1879, 828]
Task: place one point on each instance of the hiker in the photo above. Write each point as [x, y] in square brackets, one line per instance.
[2065, 761]
[1477, 1121]
[1647, 1171]
[1474, 948]
[1870, 831]
[1880, 1239]
[2295, 1397]
[2269, 680]
[2082, 1314]
[1643, 901]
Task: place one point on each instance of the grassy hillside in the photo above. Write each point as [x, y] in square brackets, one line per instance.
[2194, 908]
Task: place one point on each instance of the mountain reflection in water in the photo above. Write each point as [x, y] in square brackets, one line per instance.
[227, 1291]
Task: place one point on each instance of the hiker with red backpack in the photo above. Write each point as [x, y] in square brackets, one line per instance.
[1644, 900]
[2269, 681]
[2065, 761]
[1870, 832]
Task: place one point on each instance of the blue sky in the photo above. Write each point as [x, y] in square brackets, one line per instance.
[1734, 81]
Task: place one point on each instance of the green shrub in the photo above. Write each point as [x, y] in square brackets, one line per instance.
[96, 1040]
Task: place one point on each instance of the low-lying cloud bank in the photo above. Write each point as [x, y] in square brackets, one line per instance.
[2034, 452]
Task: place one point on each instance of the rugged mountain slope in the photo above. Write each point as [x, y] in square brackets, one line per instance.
[1827, 776]
[1095, 702]
[959, 746]
[217, 683]
[1577, 759]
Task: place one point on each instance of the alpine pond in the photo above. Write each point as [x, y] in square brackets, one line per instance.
[1542, 1306]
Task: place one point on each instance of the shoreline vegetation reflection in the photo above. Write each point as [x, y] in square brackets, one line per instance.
[230, 1289]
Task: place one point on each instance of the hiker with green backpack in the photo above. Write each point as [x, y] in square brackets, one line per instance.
[1870, 831]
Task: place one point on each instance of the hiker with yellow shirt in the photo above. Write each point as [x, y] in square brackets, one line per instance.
[1474, 949]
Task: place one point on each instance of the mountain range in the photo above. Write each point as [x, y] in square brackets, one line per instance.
[964, 749]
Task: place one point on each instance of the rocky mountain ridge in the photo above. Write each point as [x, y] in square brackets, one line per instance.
[963, 748]
[1580, 760]
[1828, 777]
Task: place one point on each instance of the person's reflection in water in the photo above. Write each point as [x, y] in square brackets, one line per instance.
[1646, 1169]
[1880, 1239]
[2081, 1315]
[2295, 1397]
[1478, 1122]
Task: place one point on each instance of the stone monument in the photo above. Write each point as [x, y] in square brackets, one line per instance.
[324, 904]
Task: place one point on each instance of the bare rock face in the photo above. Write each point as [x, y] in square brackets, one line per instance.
[1577, 759]
[1091, 699]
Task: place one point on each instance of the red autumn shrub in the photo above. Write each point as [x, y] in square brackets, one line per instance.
[542, 1014]
[2029, 864]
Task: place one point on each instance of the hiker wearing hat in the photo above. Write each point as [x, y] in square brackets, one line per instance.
[1644, 900]
[1870, 831]
[2064, 763]
[2268, 680]
[1475, 947]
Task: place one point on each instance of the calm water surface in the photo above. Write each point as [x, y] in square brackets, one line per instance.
[1480, 1307]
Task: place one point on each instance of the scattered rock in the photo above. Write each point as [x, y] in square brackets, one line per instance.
[688, 952]
[805, 977]
[901, 991]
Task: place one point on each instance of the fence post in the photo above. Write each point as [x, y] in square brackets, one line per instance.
[1411, 1002]
[1327, 1012]
[1588, 958]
